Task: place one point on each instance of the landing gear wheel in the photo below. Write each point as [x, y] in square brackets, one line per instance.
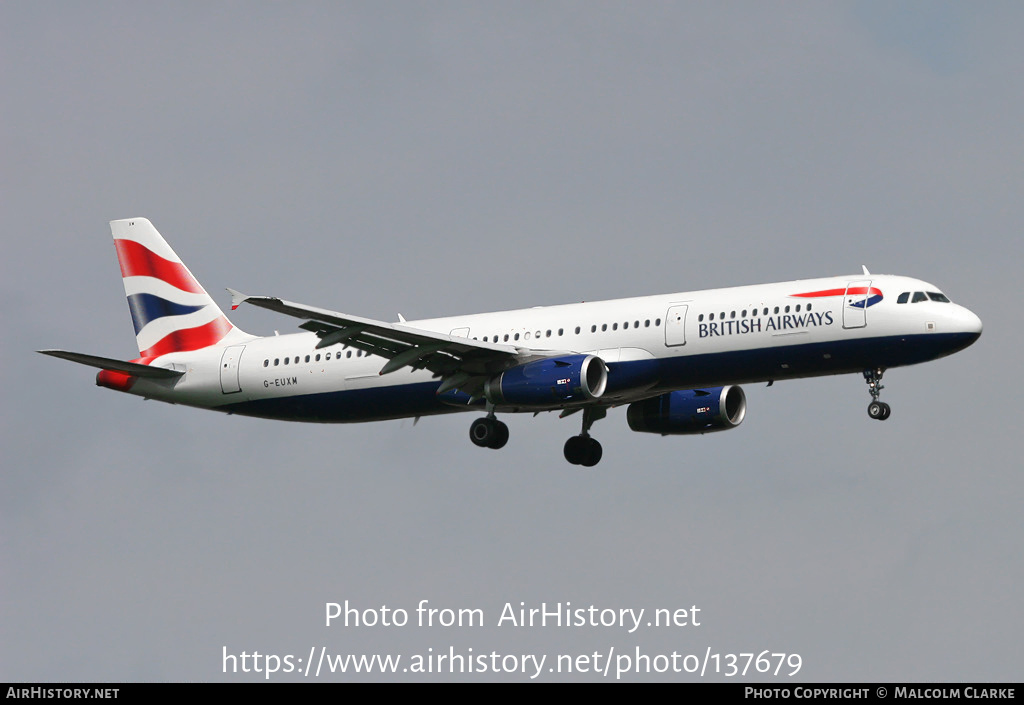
[583, 450]
[481, 431]
[500, 435]
[575, 449]
[594, 453]
[879, 410]
[488, 432]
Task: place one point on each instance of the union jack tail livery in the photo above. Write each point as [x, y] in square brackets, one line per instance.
[170, 309]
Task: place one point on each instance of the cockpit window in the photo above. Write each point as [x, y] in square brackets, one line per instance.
[937, 296]
[903, 298]
[919, 297]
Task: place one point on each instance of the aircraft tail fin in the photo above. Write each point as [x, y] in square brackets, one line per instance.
[170, 309]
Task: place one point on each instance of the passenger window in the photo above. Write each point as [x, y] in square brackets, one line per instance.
[647, 323]
[808, 307]
[517, 336]
[327, 356]
[700, 318]
[307, 358]
[266, 363]
[919, 297]
[577, 330]
[798, 308]
[593, 329]
[657, 321]
[711, 317]
[318, 357]
[776, 309]
[787, 309]
[604, 327]
[732, 314]
[277, 361]
[615, 326]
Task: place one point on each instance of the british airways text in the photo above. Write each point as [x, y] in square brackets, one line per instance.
[771, 323]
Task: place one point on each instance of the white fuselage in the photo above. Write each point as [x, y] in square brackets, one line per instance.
[650, 345]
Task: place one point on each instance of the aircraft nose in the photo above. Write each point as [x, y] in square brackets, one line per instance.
[974, 323]
[970, 323]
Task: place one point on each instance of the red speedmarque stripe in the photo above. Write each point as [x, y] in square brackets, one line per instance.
[839, 292]
[139, 261]
[190, 338]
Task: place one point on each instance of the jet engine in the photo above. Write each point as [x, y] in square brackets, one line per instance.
[689, 411]
[549, 382]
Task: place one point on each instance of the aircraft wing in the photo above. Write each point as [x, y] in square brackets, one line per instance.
[464, 363]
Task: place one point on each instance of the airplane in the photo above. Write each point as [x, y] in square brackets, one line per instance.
[676, 360]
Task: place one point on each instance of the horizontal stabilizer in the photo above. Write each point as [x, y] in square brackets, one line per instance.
[106, 363]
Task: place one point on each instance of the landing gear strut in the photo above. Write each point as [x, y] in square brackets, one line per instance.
[582, 449]
[488, 432]
[877, 410]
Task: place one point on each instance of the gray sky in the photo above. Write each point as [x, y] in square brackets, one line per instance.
[443, 158]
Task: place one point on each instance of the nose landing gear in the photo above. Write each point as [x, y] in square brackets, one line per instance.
[877, 410]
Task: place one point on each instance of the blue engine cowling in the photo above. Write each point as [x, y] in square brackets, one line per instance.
[551, 382]
[689, 411]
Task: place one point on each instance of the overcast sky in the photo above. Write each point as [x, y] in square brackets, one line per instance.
[438, 158]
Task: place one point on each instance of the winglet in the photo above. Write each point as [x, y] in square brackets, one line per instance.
[237, 298]
[866, 272]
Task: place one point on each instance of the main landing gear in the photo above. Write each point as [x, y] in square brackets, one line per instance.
[877, 410]
[488, 432]
[582, 449]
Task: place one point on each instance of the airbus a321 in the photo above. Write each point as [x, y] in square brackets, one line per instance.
[676, 359]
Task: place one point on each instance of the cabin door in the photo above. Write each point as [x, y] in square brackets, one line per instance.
[675, 325]
[855, 304]
[229, 369]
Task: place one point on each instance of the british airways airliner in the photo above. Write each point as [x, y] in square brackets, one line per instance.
[674, 359]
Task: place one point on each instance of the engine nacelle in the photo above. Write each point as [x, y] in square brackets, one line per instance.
[689, 411]
[549, 382]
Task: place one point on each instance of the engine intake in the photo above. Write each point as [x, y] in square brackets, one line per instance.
[689, 411]
[551, 382]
